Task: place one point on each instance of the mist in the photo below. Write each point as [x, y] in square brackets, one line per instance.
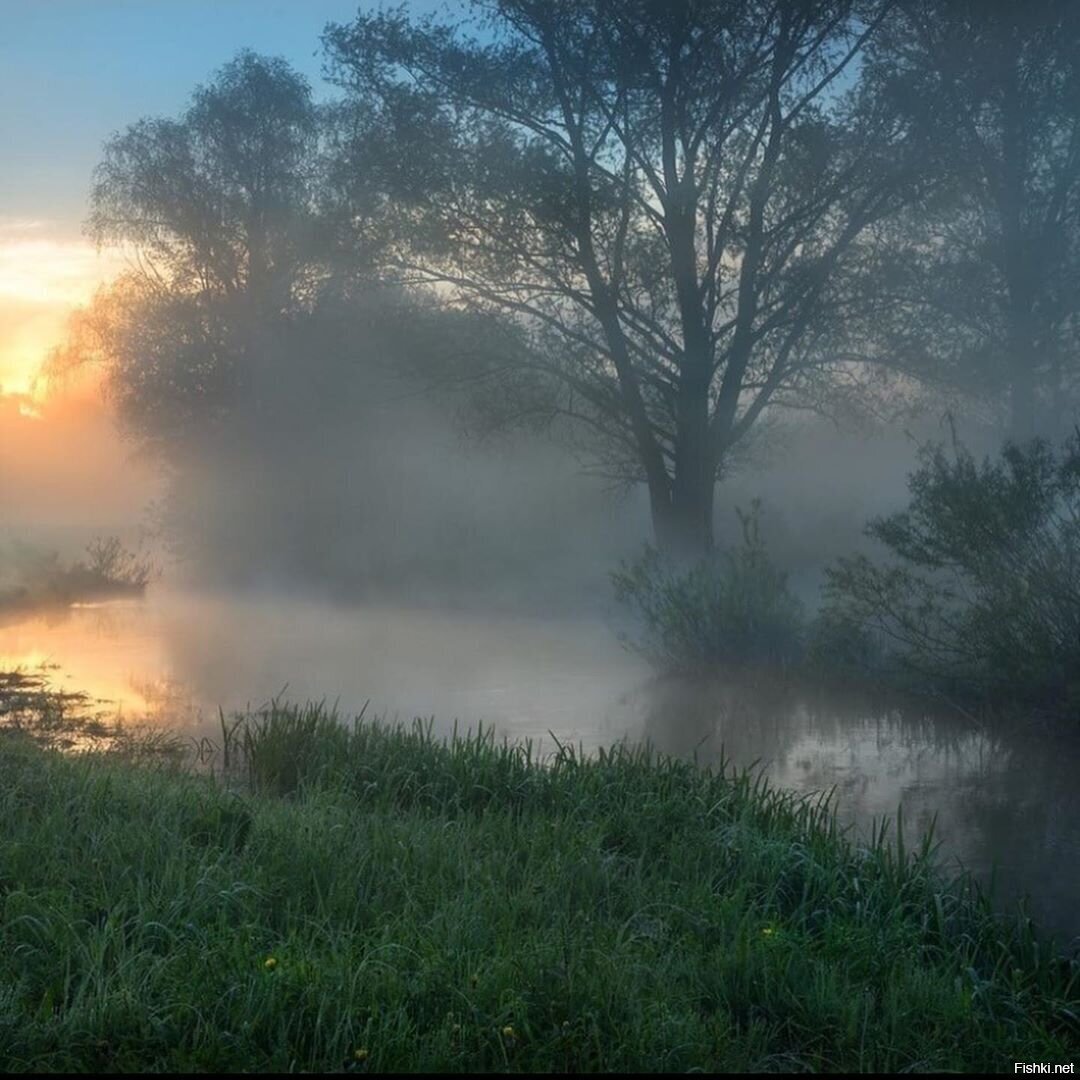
[67, 473]
[392, 502]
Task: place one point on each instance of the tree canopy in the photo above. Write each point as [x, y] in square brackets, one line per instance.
[980, 285]
[666, 194]
[654, 223]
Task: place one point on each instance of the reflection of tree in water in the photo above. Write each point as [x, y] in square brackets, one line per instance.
[746, 720]
[996, 793]
[762, 718]
[1022, 821]
[883, 752]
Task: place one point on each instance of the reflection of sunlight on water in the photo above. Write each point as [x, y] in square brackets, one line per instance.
[92, 648]
[176, 658]
[34, 660]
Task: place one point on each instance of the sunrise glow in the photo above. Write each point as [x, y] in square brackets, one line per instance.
[44, 276]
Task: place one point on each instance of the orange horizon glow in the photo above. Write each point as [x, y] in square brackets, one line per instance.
[44, 276]
[63, 462]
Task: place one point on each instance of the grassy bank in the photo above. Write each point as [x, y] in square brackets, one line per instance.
[369, 899]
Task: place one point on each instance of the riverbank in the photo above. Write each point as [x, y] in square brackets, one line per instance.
[371, 899]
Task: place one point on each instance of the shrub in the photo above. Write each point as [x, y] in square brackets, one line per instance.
[39, 577]
[731, 609]
[840, 647]
[982, 587]
[109, 565]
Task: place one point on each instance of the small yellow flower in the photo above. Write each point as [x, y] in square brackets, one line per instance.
[361, 1054]
[769, 931]
[270, 963]
[509, 1032]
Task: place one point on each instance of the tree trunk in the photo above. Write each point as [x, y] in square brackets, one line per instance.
[683, 520]
[1022, 403]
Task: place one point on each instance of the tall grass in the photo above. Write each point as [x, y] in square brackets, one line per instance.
[371, 898]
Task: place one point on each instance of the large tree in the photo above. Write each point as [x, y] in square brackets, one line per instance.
[220, 211]
[220, 199]
[666, 194]
[981, 284]
[253, 285]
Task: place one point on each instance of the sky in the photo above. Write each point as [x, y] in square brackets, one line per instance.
[73, 72]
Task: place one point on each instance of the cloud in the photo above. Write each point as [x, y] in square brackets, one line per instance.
[43, 278]
[21, 225]
[40, 270]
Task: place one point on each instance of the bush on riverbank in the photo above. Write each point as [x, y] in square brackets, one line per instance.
[30, 577]
[977, 597]
[980, 589]
[371, 899]
[733, 610]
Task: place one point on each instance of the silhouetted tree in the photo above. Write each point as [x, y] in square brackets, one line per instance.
[253, 286]
[220, 209]
[665, 194]
[252, 349]
[980, 285]
[222, 199]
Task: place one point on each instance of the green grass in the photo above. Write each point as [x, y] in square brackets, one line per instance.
[420, 901]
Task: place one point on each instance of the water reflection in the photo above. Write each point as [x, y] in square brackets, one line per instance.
[1000, 796]
[180, 657]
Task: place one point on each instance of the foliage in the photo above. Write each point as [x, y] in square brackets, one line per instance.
[222, 198]
[976, 285]
[983, 587]
[229, 210]
[839, 647]
[733, 609]
[110, 563]
[421, 906]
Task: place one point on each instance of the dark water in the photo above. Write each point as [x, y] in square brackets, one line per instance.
[1004, 803]
[1002, 799]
